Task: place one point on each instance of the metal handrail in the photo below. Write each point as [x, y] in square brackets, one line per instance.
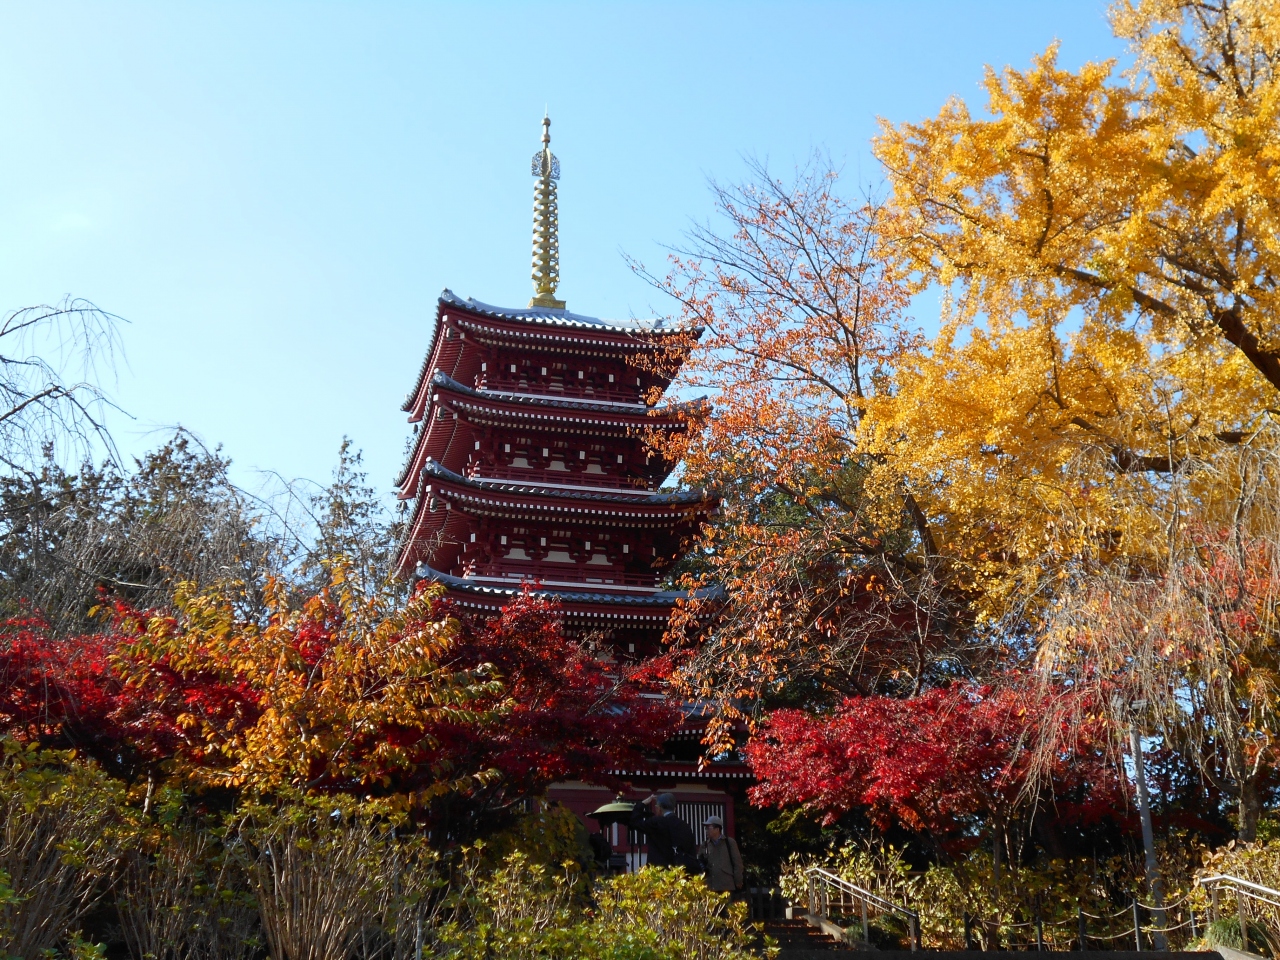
[1255, 891]
[817, 875]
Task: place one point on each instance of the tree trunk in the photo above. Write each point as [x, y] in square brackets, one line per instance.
[1154, 885]
[1047, 833]
[1250, 809]
[997, 833]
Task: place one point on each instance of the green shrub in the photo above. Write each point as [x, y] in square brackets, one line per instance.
[550, 835]
[333, 877]
[1225, 932]
[181, 897]
[527, 911]
[688, 920]
[61, 832]
[1258, 863]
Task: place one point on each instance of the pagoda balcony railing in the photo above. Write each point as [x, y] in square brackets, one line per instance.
[555, 387]
[579, 576]
[541, 476]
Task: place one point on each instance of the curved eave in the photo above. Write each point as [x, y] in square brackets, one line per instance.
[434, 438]
[405, 549]
[481, 410]
[432, 441]
[479, 485]
[554, 509]
[411, 398]
[626, 347]
[465, 499]
[589, 604]
[546, 512]
[547, 400]
[663, 598]
[640, 330]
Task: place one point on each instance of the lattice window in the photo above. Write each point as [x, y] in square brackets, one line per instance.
[694, 813]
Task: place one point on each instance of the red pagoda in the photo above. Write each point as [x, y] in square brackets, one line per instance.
[530, 466]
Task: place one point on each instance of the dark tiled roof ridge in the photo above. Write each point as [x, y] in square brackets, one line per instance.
[440, 378]
[436, 469]
[661, 598]
[560, 318]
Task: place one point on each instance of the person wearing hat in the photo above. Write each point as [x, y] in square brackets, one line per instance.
[721, 856]
[670, 840]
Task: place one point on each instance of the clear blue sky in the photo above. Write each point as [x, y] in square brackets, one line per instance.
[273, 194]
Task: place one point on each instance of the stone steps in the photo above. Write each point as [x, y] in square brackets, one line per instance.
[798, 940]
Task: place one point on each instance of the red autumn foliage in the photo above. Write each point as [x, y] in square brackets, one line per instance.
[62, 692]
[934, 762]
[563, 710]
[574, 714]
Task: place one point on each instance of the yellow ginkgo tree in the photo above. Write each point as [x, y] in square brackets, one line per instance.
[1151, 200]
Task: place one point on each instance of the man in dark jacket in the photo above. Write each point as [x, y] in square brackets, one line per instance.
[670, 839]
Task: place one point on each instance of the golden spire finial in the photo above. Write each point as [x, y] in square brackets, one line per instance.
[546, 225]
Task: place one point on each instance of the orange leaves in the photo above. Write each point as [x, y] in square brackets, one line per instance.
[344, 690]
[455, 717]
[802, 307]
[897, 511]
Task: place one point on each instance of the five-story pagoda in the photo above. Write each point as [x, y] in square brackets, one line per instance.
[531, 468]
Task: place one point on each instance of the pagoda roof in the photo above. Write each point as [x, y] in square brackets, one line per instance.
[442, 379]
[658, 598]
[562, 318]
[595, 604]
[537, 412]
[629, 335]
[504, 499]
[535, 407]
[541, 413]
[434, 469]
[648, 770]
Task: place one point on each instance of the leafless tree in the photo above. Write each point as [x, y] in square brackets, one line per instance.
[53, 360]
[333, 881]
[177, 516]
[1186, 650]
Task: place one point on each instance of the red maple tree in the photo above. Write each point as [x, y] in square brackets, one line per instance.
[560, 708]
[62, 692]
[932, 763]
[572, 711]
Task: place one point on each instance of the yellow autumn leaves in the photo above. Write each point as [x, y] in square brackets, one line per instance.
[1104, 380]
[1108, 244]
